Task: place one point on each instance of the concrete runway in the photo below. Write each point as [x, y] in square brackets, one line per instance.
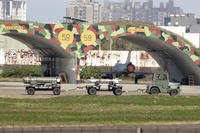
[17, 90]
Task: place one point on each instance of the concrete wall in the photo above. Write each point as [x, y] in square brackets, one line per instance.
[175, 74]
[106, 129]
[194, 38]
[110, 58]
[10, 43]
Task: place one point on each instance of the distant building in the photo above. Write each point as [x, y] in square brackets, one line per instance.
[188, 20]
[12, 10]
[185, 25]
[88, 10]
[137, 11]
[117, 11]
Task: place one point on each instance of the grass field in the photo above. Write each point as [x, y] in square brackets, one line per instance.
[10, 79]
[100, 110]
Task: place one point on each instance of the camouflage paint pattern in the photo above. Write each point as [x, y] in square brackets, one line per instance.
[82, 38]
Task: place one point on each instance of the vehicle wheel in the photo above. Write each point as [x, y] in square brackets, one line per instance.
[91, 91]
[173, 93]
[56, 91]
[117, 91]
[31, 91]
[154, 91]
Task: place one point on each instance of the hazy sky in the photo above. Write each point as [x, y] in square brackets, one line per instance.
[54, 10]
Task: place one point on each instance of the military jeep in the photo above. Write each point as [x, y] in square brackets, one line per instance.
[160, 84]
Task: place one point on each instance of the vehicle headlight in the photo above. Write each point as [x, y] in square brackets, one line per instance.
[58, 80]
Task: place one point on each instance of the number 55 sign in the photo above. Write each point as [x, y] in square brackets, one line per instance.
[88, 37]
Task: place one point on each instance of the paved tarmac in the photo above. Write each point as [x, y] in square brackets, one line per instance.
[17, 90]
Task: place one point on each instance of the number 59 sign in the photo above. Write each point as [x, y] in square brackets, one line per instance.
[66, 37]
[88, 37]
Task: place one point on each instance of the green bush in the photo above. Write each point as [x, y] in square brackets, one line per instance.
[89, 72]
[197, 51]
[19, 72]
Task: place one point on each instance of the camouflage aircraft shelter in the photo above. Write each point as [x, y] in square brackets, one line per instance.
[67, 42]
